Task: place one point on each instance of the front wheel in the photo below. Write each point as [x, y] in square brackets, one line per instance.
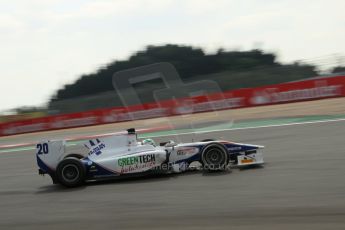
[70, 172]
[214, 157]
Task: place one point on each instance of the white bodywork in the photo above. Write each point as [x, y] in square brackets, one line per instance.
[120, 154]
[123, 154]
[51, 152]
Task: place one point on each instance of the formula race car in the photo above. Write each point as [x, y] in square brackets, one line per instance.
[124, 155]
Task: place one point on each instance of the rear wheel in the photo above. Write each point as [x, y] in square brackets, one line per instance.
[214, 157]
[70, 172]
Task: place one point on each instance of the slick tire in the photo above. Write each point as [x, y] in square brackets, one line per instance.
[214, 157]
[70, 172]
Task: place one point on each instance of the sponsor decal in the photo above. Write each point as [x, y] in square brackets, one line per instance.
[121, 115]
[246, 161]
[193, 107]
[137, 160]
[185, 107]
[25, 128]
[72, 122]
[219, 104]
[135, 163]
[272, 95]
[93, 169]
[261, 97]
[235, 148]
[187, 151]
[98, 149]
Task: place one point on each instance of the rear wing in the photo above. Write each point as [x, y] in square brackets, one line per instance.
[49, 154]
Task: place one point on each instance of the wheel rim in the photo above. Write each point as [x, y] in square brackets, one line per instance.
[214, 156]
[70, 173]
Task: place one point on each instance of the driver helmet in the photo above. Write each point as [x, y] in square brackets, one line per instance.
[149, 142]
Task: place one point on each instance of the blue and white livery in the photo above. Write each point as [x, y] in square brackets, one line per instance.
[124, 155]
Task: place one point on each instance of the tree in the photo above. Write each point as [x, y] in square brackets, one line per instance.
[247, 68]
[338, 69]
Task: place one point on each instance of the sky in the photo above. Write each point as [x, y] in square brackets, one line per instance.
[45, 44]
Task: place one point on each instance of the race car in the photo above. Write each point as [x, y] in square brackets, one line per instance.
[122, 155]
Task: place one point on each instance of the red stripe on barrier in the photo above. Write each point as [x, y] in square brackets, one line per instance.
[273, 94]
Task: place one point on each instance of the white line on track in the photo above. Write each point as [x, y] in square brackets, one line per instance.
[253, 127]
[12, 149]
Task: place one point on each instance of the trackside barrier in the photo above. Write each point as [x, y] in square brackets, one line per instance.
[314, 89]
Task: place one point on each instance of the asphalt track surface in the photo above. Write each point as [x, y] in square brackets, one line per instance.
[302, 186]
